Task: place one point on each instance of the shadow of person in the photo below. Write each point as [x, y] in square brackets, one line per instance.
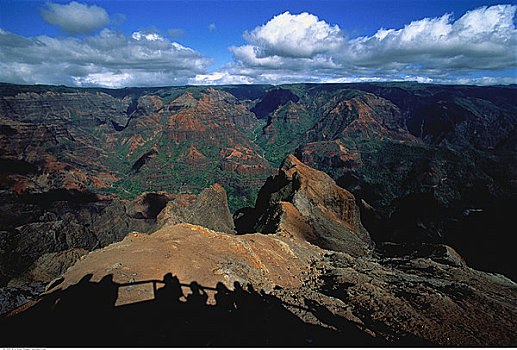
[75, 298]
[85, 304]
[195, 316]
[93, 298]
[102, 297]
[171, 292]
[107, 292]
[255, 300]
[223, 298]
[198, 297]
[239, 296]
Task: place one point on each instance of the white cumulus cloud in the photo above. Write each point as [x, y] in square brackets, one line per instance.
[287, 35]
[146, 36]
[109, 59]
[479, 47]
[482, 39]
[301, 47]
[75, 18]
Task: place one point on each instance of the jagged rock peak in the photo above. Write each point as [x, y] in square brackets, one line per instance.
[209, 209]
[306, 203]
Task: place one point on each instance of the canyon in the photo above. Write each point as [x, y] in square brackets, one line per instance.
[370, 213]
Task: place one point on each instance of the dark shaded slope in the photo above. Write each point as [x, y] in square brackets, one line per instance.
[433, 149]
[84, 314]
[272, 100]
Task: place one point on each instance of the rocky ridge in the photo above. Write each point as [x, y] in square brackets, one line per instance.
[208, 209]
[398, 295]
[127, 142]
[434, 166]
[419, 156]
[65, 225]
[301, 201]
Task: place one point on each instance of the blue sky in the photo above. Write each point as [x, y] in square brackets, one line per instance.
[93, 43]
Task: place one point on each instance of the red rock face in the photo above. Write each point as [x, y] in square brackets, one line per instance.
[306, 203]
[328, 209]
[214, 113]
[367, 116]
[401, 296]
[85, 140]
[330, 154]
[212, 126]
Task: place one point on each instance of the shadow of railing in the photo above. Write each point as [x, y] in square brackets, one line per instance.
[155, 282]
[86, 314]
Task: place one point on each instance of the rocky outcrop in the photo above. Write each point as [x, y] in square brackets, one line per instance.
[306, 203]
[49, 266]
[63, 223]
[209, 209]
[35, 225]
[192, 252]
[444, 302]
[410, 300]
[52, 265]
[388, 142]
[359, 115]
[329, 154]
[13, 297]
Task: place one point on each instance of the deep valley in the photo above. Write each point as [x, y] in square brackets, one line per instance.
[374, 213]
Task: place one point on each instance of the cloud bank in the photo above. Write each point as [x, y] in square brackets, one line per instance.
[109, 59]
[479, 48]
[304, 48]
[75, 18]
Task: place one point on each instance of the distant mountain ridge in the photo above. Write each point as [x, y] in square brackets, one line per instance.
[430, 163]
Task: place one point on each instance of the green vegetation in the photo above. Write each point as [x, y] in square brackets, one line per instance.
[389, 167]
[287, 135]
[241, 197]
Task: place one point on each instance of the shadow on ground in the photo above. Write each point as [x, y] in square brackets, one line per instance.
[85, 315]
